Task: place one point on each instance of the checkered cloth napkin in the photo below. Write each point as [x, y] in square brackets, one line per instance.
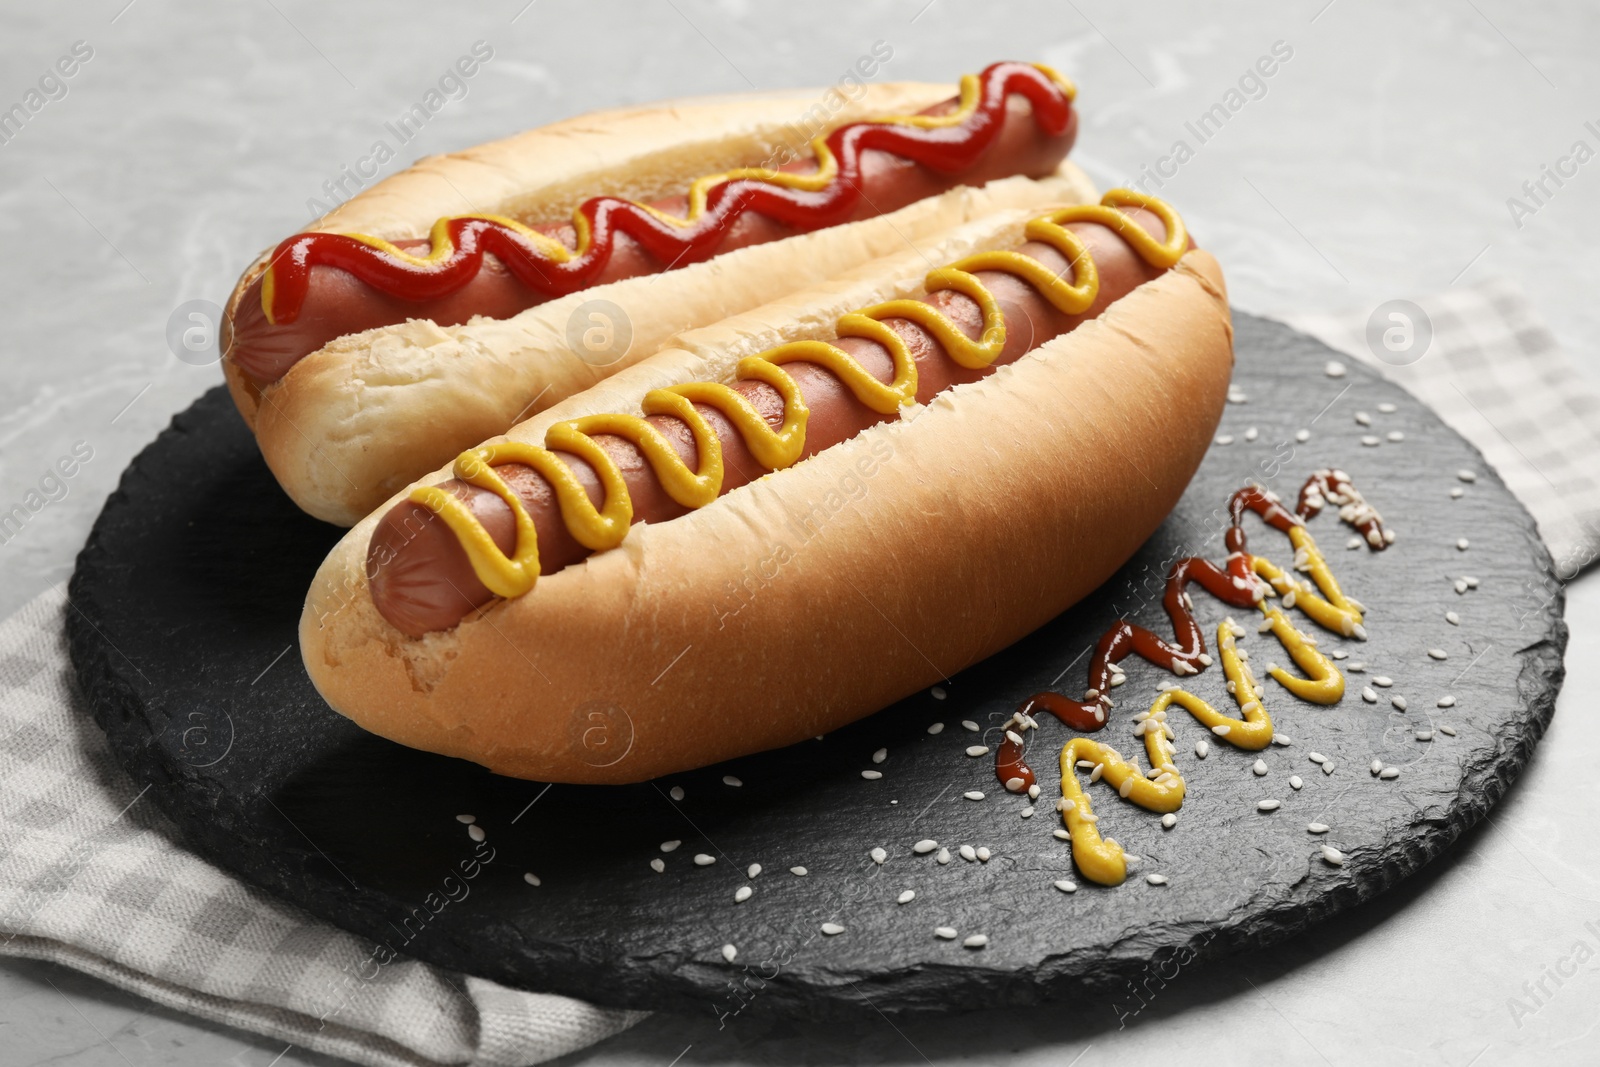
[92, 876]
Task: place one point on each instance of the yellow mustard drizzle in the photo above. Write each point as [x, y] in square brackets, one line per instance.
[443, 246]
[775, 449]
[1101, 860]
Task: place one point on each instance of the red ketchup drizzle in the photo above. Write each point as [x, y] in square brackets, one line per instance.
[1234, 583]
[946, 149]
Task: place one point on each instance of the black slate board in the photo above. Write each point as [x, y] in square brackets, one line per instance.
[189, 589]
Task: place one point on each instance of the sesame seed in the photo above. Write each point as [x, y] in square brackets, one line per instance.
[1295, 782]
[1268, 805]
[1251, 434]
[1376, 767]
[969, 725]
[1452, 618]
[1472, 583]
[1221, 729]
[1456, 492]
[872, 776]
[476, 832]
[1062, 835]
[969, 854]
[1370, 440]
[1168, 821]
[729, 952]
[1317, 757]
[943, 857]
[880, 755]
[973, 794]
[467, 819]
[936, 728]
[1390, 772]
[742, 894]
[1033, 792]
[926, 845]
[728, 779]
[946, 932]
[1461, 586]
[1066, 885]
[1462, 544]
[1237, 395]
[703, 860]
[1448, 731]
[1281, 739]
[1395, 435]
[1333, 855]
[1363, 419]
[832, 928]
[1094, 775]
[1368, 695]
[1201, 749]
[658, 865]
[1259, 767]
[906, 897]
[976, 941]
[1126, 787]
[1424, 735]
[1383, 681]
[1014, 737]
[977, 750]
[1327, 768]
[1156, 879]
[878, 855]
[668, 846]
[1438, 653]
[1016, 785]
[1224, 438]
[1466, 475]
[752, 870]
[1027, 812]
[1204, 657]
[1386, 408]
[676, 792]
[1334, 369]
[1338, 653]
[984, 854]
[799, 872]
[1356, 668]
[1447, 701]
[531, 878]
[1128, 857]
[937, 692]
[1302, 436]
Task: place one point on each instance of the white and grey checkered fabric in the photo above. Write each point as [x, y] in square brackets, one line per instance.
[91, 877]
[1496, 375]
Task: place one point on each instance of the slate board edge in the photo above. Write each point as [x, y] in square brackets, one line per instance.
[104, 671]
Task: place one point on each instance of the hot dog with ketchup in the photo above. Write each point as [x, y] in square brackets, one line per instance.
[388, 298]
[1019, 431]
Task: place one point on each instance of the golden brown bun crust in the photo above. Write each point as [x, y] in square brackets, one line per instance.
[642, 153]
[933, 542]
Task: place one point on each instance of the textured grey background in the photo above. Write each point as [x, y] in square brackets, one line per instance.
[1377, 165]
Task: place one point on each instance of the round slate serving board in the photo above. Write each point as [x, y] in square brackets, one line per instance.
[189, 591]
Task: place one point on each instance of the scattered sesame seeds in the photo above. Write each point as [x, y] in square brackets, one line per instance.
[1356, 668]
[878, 855]
[1316, 757]
[943, 857]
[1390, 772]
[467, 819]
[976, 941]
[925, 846]
[880, 755]
[1368, 695]
[832, 928]
[1447, 701]
[906, 897]
[1333, 855]
[1156, 879]
[1371, 440]
[476, 832]
[1062, 835]
[1282, 739]
[1338, 653]
[1334, 369]
[973, 794]
[1316, 827]
[658, 865]
[799, 872]
[676, 792]
[742, 894]
[1386, 408]
[1395, 435]
[1452, 618]
[1448, 731]
[1363, 419]
[1201, 750]
[1438, 653]
[531, 878]
[969, 854]
[1302, 436]
[872, 776]
[1295, 783]
[729, 952]
[1424, 735]
[1259, 768]
[1224, 438]
[970, 726]
[752, 870]
[977, 750]
[728, 779]
[936, 728]
[668, 846]
[1168, 821]
[1466, 475]
[1462, 544]
[946, 932]
[1382, 681]
[1066, 885]
[703, 860]
[1399, 702]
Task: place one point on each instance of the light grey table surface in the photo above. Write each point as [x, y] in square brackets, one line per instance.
[1377, 163]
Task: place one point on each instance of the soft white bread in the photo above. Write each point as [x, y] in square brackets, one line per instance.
[370, 412]
[818, 594]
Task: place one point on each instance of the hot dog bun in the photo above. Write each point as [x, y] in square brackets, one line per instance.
[352, 423]
[983, 515]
